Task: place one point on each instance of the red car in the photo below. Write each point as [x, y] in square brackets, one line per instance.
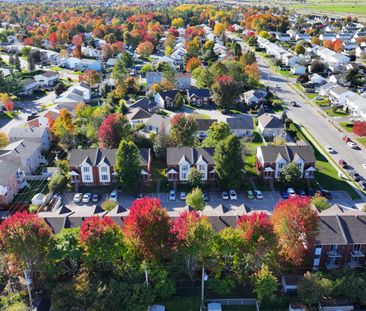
[342, 163]
[346, 139]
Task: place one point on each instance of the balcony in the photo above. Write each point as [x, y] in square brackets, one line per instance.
[356, 259]
[332, 264]
[334, 254]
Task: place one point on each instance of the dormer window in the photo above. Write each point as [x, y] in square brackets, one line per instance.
[103, 169]
[201, 167]
[185, 167]
[86, 169]
[281, 165]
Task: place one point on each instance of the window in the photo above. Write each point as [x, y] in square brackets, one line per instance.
[201, 167]
[184, 176]
[333, 248]
[357, 247]
[184, 167]
[104, 169]
[85, 169]
[87, 178]
[104, 177]
[299, 166]
[281, 165]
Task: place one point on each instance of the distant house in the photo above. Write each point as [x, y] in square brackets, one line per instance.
[317, 79]
[5, 72]
[297, 69]
[75, 94]
[302, 36]
[325, 88]
[254, 97]
[38, 134]
[29, 85]
[183, 80]
[138, 116]
[97, 167]
[12, 178]
[145, 103]
[203, 125]
[48, 78]
[290, 59]
[180, 160]
[356, 105]
[270, 126]
[339, 94]
[270, 160]
[327, 36]
[156, 123]
[89, 64]
[283, 37]
[290, 283]
[90, 52]
[165, 100]
[153, 77]
[199, 97]
[242, 126]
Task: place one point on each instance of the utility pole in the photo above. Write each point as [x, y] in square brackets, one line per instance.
[28, 283]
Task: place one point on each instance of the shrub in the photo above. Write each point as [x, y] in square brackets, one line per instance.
[109, 205]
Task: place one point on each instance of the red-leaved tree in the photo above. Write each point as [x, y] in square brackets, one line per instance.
[192, 64]
[359, 128]
[114, 128]
[145, 49]
[25, 236]
[193, 237]
[295, 224]
[102, 240]
[147, 230]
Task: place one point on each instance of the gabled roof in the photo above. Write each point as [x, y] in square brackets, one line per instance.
[138, 113]
[27, 132]
[242, 122]
[199, 92]
[8, 169]
[204, 124]
[144, 103]
[171, 94]
[270, 121]
[191, 154]
[289, 153]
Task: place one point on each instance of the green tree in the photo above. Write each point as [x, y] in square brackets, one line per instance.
[203, 77]
[225, 92]
[182, 130]
[195, 199]
[58, 183]
[309, 289]
[248, 58]
[290, 174]
[299, 49]
[265, 284]
[178, 100]
[161, 143]
[128, 165]
[217, 132]
[194, 177]
[320, 202]
[108, 205]
[229, 162]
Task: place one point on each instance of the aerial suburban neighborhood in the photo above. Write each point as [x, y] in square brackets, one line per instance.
[182, 155]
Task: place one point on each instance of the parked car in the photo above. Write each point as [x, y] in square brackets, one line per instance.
[330, 149]
[183, 196]
[78, 197]
[343, 164]
[291, 192]
[293, 104]
[284, 194]
[224, 195]
[172, 195]
[346, 139]
[362, 184]
[113, 196]
[319, 98]
[86, 197]
[232, 195]
[95, 198]
[205, 195]
[258, 194]
[364, 165]
[301, 193]
[250, 195]
[353, 145]
[355, 176]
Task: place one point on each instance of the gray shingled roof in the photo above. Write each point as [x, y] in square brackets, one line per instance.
[289, 153]
[191, 154]
[242, 122]
[204, 124]
[8, 168]
[138, 113]
[354, 228]
[27, 132]
[270, 121]
[330, 231]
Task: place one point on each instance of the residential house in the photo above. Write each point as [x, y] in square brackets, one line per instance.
[183, 80]
[38, 135]
[199, 97]
[297, 69]
[302, 36]
[29, 85]
[291, 59]
[138, 116]
[339, 79]
[332, 304]
[317, 79]
[349, 46]
[202, 127]
[89, 64]
[145, 103]
[27, 152]
[326, 36]
[74, 95]
[270, 160]
[153, 77]
[254, 97]
[97, 167]
[156, 123]
[325, 88]
[242, 126]
[356, 105]
[270, 126]
[180, 160]
[284, 37]
[332, 57]
[37, 121]
[89, 51]
[290, 283]
[48, 78]
[340, 241]
[178, 55]
[361, 51]
[165, 99]
[12, 178]
[69, 62]
[339, 94]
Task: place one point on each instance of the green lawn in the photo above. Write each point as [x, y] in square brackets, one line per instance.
[56, 68]
[337, 113]
[347, 126]
[250, 149]
[201, 116]
[362, 141]
[334, 8]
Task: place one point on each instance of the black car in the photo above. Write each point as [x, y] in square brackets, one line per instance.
[301, 193]
[284, 194]
[355, 176]
[362, 184]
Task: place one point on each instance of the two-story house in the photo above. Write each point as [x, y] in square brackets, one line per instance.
[339, 94]
[202, 127]
[97, 167]
[270, 160]
[138, 116]
[242, 126]
[340, 241]
[270, 126]
[165, 100]
[47, 78]
[180, 160]
[199, 97]
[35, 134]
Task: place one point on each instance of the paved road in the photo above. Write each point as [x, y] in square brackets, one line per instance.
[306, 115]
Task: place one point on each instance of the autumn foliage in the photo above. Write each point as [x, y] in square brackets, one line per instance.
[192, 64]
[359, 128]
[147, 229]
[335, 45]
[113, 129]
[295, 224]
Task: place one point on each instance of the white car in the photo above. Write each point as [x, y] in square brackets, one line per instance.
[319, 98]
[352, 144]
[364, 165]
[78, 197]
[330, 149]
[172, 195]
[291, 192]
[113, 195]
[86, 197]
[232, 195]
[258, 194]
[224, 195]
[183, 196]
